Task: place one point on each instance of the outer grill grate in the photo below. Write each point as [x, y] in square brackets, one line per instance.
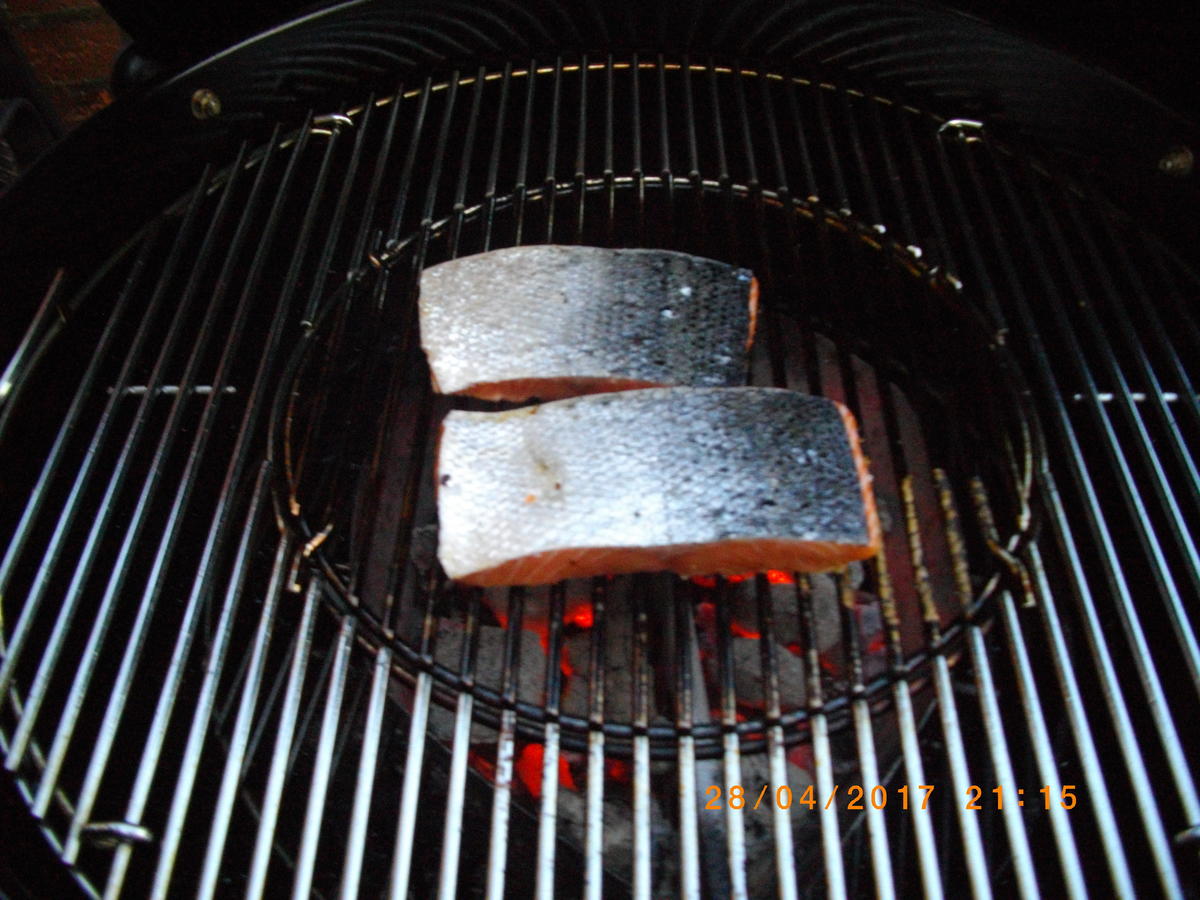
[176, 686]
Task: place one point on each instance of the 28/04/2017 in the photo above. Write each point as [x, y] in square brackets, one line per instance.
[737, 797]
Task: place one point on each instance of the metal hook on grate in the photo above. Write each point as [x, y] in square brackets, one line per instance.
[1012, 562]
[330, 124]
[107, 835]
[967, 131]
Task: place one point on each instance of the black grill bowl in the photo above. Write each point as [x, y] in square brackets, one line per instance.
[230, 663]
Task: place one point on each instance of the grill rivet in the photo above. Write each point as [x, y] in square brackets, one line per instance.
[1177, 162]
[205, 104]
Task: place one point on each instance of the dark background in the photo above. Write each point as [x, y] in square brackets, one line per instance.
[1154, 45]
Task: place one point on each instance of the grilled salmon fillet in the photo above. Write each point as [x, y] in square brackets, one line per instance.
[688, 480]
[554, 321]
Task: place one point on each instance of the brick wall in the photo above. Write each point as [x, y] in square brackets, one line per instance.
[70, 46]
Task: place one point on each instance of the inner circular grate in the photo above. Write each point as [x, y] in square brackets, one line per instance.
[845, 313]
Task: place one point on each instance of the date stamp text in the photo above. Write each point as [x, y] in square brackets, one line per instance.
[858, 797]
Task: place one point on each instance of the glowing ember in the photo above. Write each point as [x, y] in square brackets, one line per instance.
[774, 576]
[578, 612]
[619, 770]
[741, 630]
[482, 764]
[801, 755]
[538, 627]
[568, 670]
[529, 770]
[581, 616]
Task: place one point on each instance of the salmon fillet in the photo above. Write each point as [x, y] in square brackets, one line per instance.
[689, 480]
[558, 321]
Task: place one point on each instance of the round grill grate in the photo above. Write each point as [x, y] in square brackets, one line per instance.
[847, 312]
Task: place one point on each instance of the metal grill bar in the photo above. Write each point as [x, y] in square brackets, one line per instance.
[1149, 680]
[456, 791]
[319, 787]
[1157, 484]
[922, 824]
[864, 733]
[597, 664]
[641, 747]
[83, 569]
[502, 798]
[284, 734]
[548, 812]
[1099, 785]
[1096, 640]
[39, 493]
[402, 859]
[1162, 346]
[50, 558]
[1114, 853]
[170, 429]
[785, 868]
[822, 755]
[46, 323]
[735, 828]
[356, 837]
[686, 664]
[220, 822]
[959, 774]
[914, 768]
[1160, 485]
[1174, 349]
[188, 769]
[998, 742]
[1134, 761]
[167, 544]
[1068, 854]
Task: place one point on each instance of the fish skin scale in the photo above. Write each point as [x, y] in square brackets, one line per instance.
[650, 478]
[516, 320]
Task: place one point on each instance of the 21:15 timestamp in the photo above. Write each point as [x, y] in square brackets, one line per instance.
[976, 799]
[856, 796]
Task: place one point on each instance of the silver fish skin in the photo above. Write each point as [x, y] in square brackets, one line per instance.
[691, 480]
[551, 321]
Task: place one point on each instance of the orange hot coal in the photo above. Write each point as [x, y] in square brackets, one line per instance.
[619, 770]
[742, 631]
[774, 576]
[801, 755]
[577, 612]
[482, 764]
[529, 770]
[580, 615]
[564, 663]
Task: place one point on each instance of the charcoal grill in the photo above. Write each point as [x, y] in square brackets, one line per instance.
[230, 663]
